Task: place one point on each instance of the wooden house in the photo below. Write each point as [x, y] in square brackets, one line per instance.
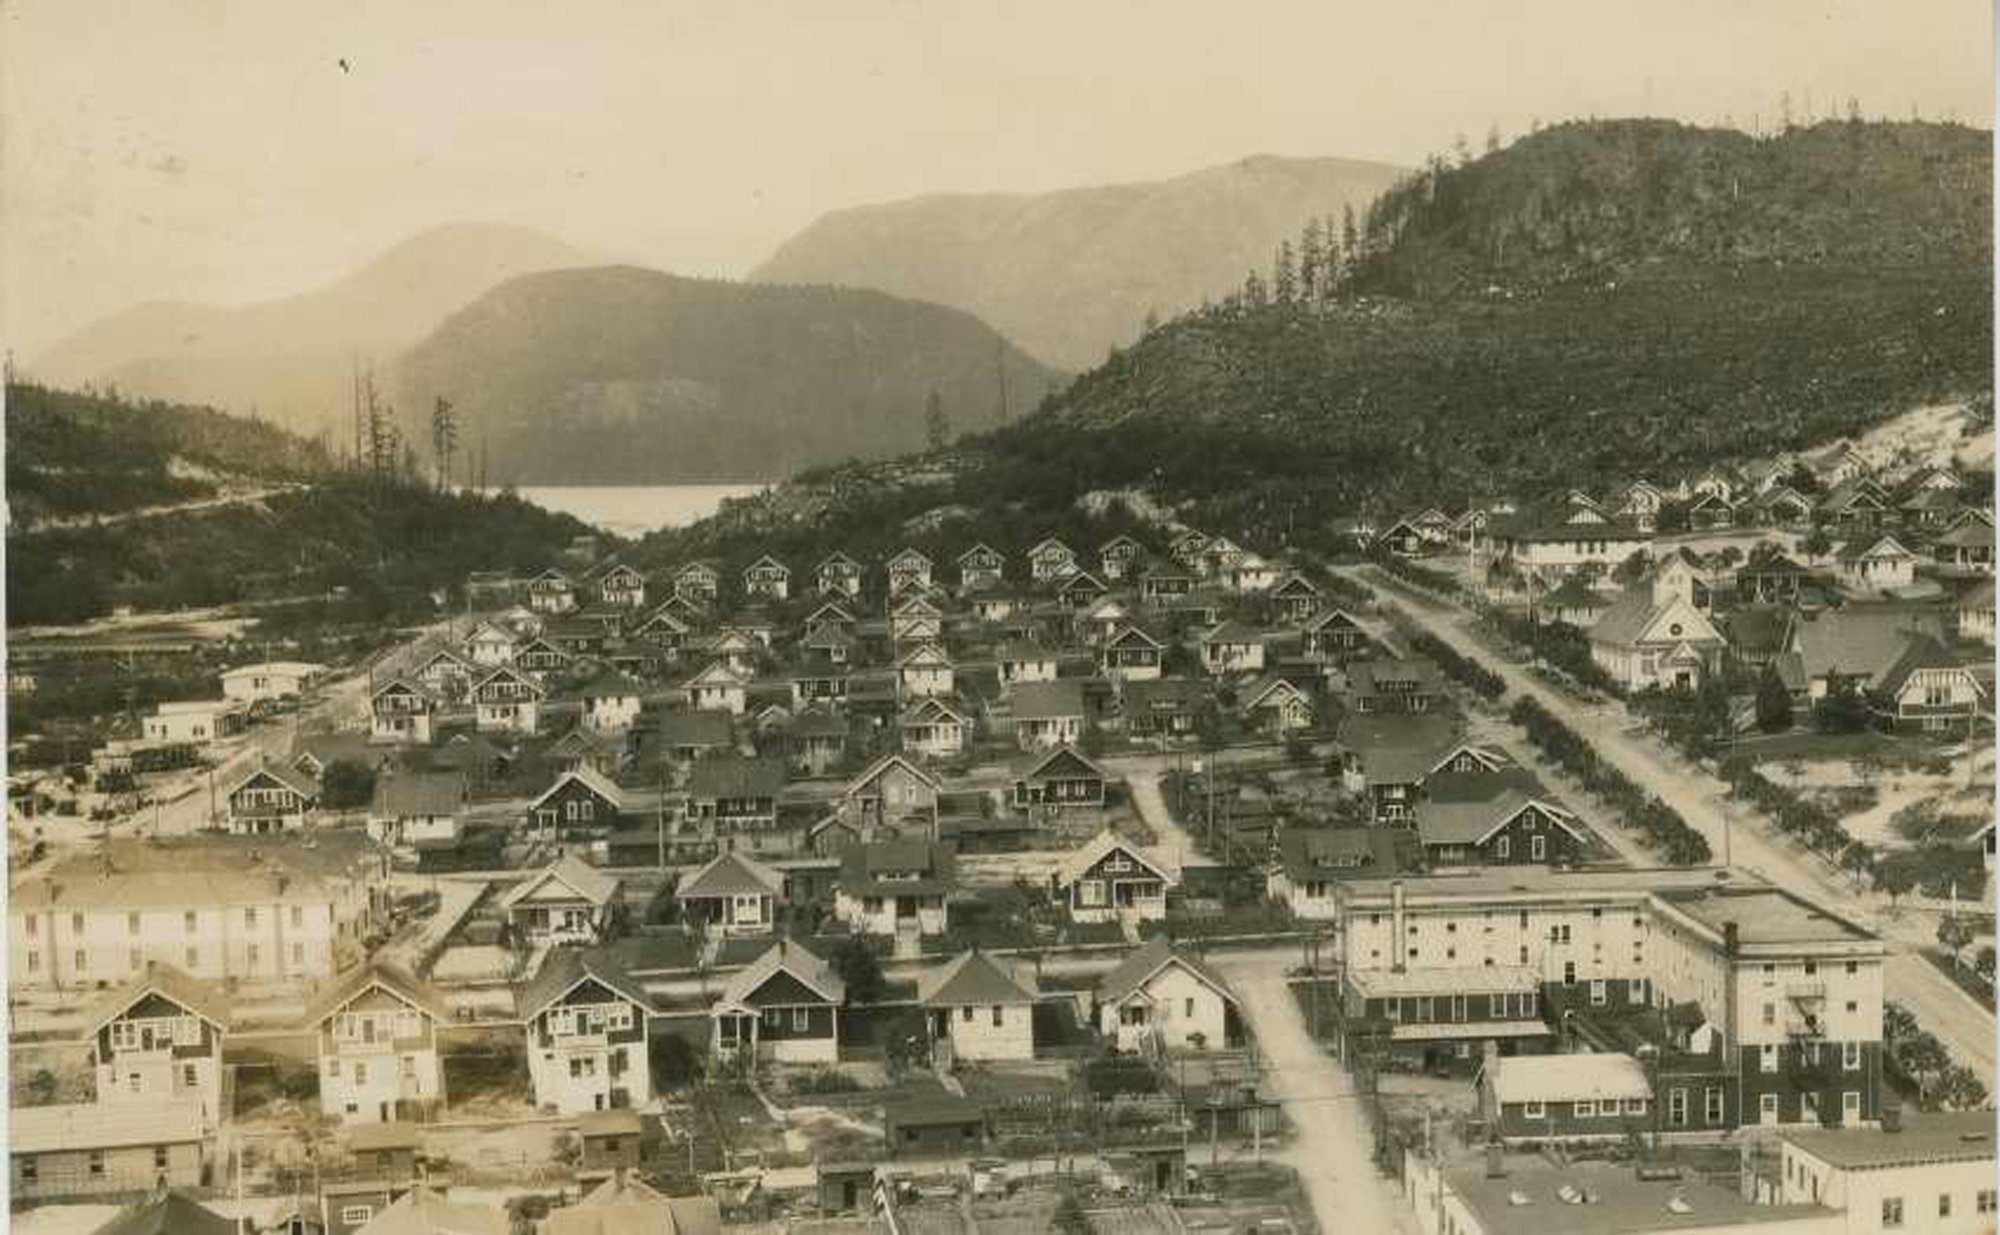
[783, 1006]
[567, 902]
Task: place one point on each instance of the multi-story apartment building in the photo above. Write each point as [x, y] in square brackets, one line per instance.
[1788, 994]
[254, 909]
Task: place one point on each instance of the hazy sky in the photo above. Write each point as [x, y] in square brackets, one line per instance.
[216, 149]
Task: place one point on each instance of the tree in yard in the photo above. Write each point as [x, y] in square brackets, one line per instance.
[1816, 545]
[1897, 1021]
[859, 969]
[1843, 710]
[1712, 723]
[1982, 964]
[1774, 703]
[1959, 1088]
[1894, 879]
[937, 429]
[1350, 242]
[1857, 859]
[1955, 934]
[346, 785]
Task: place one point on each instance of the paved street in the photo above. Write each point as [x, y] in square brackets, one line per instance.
[1333, 1150]
[1965, 1027]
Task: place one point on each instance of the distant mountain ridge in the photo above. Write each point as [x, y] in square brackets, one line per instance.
[1071, 273]
[622, 375]
[291, 358]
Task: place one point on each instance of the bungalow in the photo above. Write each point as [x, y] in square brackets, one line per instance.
[816, 740]
[1926, 690]
[1164, 708]
[1779, 506]
[935, 729]
[976, 1010]
[1163, 581]
[1335, 635]
[544, 654]
[1312, 862]
[993, 605]
[698, 581]
[1383, 686]
[1188, 547]
[915, 620]
[1857, 503]
[1974, 614]
[1857, 644]
[838, 575]
[1928, 509]
[1574, 603]
[571, 639]
[1427, 531]
[685, 736]
[588, 1042]
[444, 673]
[1220, 557]
[783, 1006]
[1278, 706]
[1653, 635]
[400, 710]
[568, 901]
[376, 1035]
[896, 888]
[731, 647]
[158, 1039]
[733, 894]
[1965, 550]
[86, 1149]
[1132, 655]
[1295, 598]
[1160, 998]
[736, 799]
[1048, 714]
[1567, 1098]
[1499, 818]
[1232, 647]
[414, 808]
[1388, 756]
[552, 591]
[895, 794]
[507, 701]
[1777, 580]
[925, 672]
[980, 566]
[271, 798]
[717, 688]
[1105, 617]
[1112, 879]
[1249, 573]
[490, 645]
[621, 587]
[1080, 589]
[1639, 504]
[580, 798]
[909, 571]
[664, 628]
[1050, 559]
[1872, 565]
[767, 578]
[1060, 779]
[1557, 544]
[1021, 661]
[1116, 557]
[611, 702]
[1709, 511]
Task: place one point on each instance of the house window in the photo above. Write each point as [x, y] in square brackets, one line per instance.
[356, 1215]
[1587, 1110]
[409, 1065]
[1988, 1200]
[76, 924]
[31, 1171]
[298, 917]
[1770, 1013]
[965, 1014]
[193, 958]
[1677, 1107]
[1767, 1108]
[1944, 1204]
[1850, 1056]
[131, 923]
[770, 1018]
[1598, 996]
[1635, 1106]
[1538, 848]
[1711, 1111]
[97, 1164]
[360, 1072]
[1533, 1110]
[801, 1019]
[1892, 1212]
[250, 916]
[1768, 1059]
[159, 1157]
[190, 1077]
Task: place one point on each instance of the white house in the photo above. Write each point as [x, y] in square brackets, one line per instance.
[1050, 559]
[717, 688]
[611, 703]
[568, 901]
[1232, 648]
[1130, 654]
[1112, 879]
[1158, 997]
[621, 587]
[587, 1036]
[838, 575]
[895, 888]
[935, 729]
[277, 679]
[195, 721]
[767, 578]
[376, 1031]
[490, 645]
[783, 1006]
[417, 808]
[1653, 635]
[915, 620]
[400, 710]
[552, 591]
[732, 894]
[507, 701]
[158, 1039]
[1870, 566]
[980, 566]
[977, 1010]
[908, 571]
[924, 673]
[1048, 714]
[1020, 661]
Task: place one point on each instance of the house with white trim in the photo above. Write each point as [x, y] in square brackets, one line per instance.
[400, 710]
[980, 566]
[838, 575]
[552, 591]
[1132, 655]
[783, 1006]
[158, 1039]
[767, 578]
[909, 571]
[977, 1010]
[1050, 559]
[1114, 879]
[507, 701]
[273, 797]
[588, 1042]
[1159, 997]
[1872, 565]
[376, 1036]
[935, 729]
[567, 901]
[924, 672]
[717, 688]
[731, 894]
[491, 645]
[1654, 635]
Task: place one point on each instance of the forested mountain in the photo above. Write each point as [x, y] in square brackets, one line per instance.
[292, 359]
[1070, 274]
[624, 375]
[1596, 302]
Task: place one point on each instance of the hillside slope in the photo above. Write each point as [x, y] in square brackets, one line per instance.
[623, 375]
[292, 359]
[1070, 274]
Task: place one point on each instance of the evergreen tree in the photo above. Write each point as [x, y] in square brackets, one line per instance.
[1312, 261]
[1350, 243]
[1774, 703]
[937, 428]
[1284, 274]
[444, 438]
[1255, 294]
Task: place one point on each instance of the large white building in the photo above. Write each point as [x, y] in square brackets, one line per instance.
[253, 909]
[1932, 1173]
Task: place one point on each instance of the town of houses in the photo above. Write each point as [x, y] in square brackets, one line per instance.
[958, 820]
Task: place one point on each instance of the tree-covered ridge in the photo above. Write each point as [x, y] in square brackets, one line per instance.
[71, 453]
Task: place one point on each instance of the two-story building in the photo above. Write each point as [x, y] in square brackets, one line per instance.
[838, 575]
[158, 1039]
[734, 800]
[587, 1036]
[376, 1035]
[507, 700]
[272, 797]
[717, 688]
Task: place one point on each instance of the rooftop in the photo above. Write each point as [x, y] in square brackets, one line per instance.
[1567, 1078]
[86, 1125]
[1609, 1200]
[1962, 1136]
[1764, 915]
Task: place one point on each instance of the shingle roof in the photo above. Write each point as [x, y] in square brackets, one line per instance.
[734, 776]
[563, 968]
[862, 868]
[378, 971]
[1465, 809]
[784, 956]
[1322, 853]
[423, 1212]
[591, 779]
[1072, 867]
[971, 978]
[731, 874]
[158, 977]
[1137, 969]
[585, 880]
[1398, 748]
[168, 1214]
[1859, 640]
[403, 794]
[1922, 652]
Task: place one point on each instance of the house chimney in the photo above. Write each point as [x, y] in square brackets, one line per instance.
[1398, 949]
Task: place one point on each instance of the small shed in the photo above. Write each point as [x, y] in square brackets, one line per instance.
[846, 1187]
[386, 1151]
[939, 1123]
[612, 1140]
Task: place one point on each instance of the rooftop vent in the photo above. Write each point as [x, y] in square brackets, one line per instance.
[1679, 1205]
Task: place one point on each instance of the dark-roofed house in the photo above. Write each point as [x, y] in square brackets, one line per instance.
[683, 736]
[1275, 704]
[816, 740]
[736, 800]
[1233, 647]
[1131, 655]
[1384, 686]
[1312, 862]
[1164, 708]
[581, 798]
[895, 888]
[611, 702]
[784, 1006]
[567, 902]
[1158, 997]
[413, 807]
[733, 894]
[376, 1029]
[273, 798]
[158, 1039]
[1597, 1096]
[167, 1212]
[1574, 603]
[1926, 690]
[587, 1037]
[1294, 597]
[1112, 879]
[1162, 581]
[1059, 779]
[1775, 580]
[933, 1124]
[1966, 550]
[935, 729]
[977, 1009]
[1855, 643]
[1335, 635]
[1048, 714]
[893, 793]
[1388, 756]
[1871, 565]
[1494, 819]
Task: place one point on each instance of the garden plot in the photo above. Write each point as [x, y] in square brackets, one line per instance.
[1896, 807]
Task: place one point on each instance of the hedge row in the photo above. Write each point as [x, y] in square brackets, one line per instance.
[1463, 669]
[1662, 825]
[1419, 576]
[1919, 1066]
[1558, 643]
[1799, 817]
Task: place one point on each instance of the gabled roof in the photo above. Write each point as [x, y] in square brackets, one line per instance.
[863, 868]
[1323, 853]
[1575, 594]
[691, 727]
[696, 569]
[839, 560]
[1081, 579]
[579, 876]
[378, 972]
[817, 721]
[1233, 632]
[168, 1213]
[731, 874]
[924, 654]
[1872, 546]
[612, 684]
[1261, 691]
[424, 1212]
[283, 773]
[875, 770]
[910, 557]
[734, 776]
[488, 632]
[564, 969]
[981, 549]
[715, 673]
[1050, 543]
[1134, 634]
[1036, 764]
[1295, 582]
[590, 778]
[971, 977]
[1138, 970]
[1922, 652]
[1858, 640]
[1019, 651]
[1407, 674]
[159, 978]
[1164, 695]
[504, 673]
[785, 957]
[1073, 865]
[405, 794]
[934, 710]
[1398, 748]
[767, 562]
[1468, 808]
